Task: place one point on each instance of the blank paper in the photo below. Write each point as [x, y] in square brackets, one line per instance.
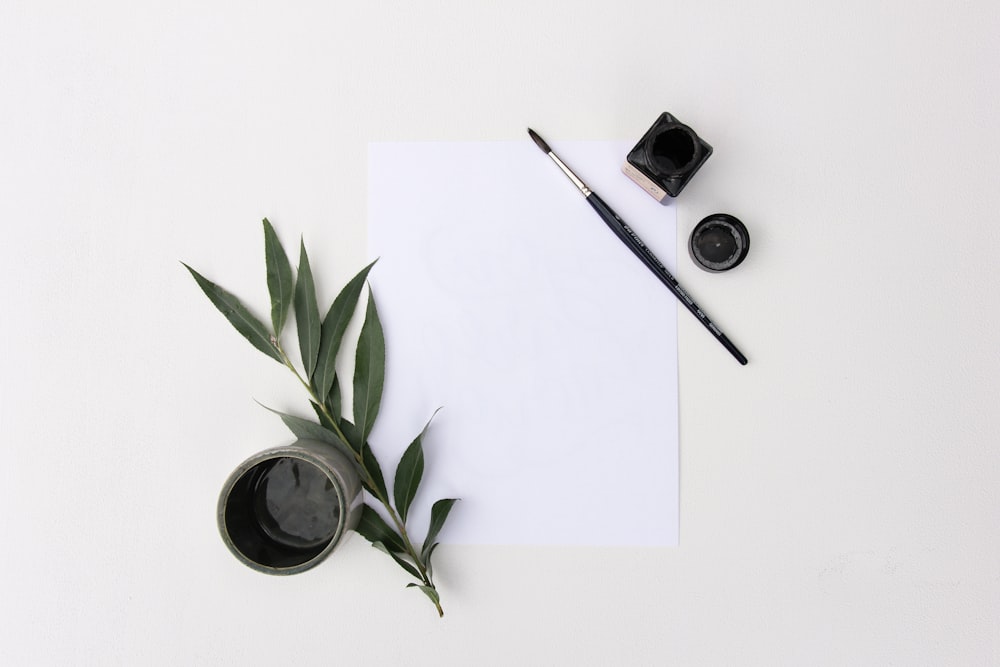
[552, 349]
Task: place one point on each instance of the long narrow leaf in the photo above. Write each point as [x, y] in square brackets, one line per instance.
[323, 419]
[249, 326]
[304, 428]
[369, 370]
[428, 591]
[439, 513]
[402, 562]
[373, 528]
[409, 473]
[353, 437]
[307, 313]
[332, 332]
[375, 470]
[426, 556]
[334, 400]
[279, 278]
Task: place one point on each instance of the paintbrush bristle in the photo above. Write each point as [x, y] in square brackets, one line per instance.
[539, 141]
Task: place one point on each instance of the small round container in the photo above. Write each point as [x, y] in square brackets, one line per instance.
[719, 242]
[283, 510]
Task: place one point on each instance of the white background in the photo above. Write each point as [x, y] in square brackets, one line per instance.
[839, 499]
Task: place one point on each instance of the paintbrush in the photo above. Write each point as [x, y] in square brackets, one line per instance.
[635, 244]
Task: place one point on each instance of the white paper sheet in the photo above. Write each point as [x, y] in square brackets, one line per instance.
[553, 350]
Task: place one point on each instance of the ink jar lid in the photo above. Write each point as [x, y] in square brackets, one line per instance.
[719, 243]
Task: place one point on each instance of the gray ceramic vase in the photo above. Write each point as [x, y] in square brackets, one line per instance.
[283, 510]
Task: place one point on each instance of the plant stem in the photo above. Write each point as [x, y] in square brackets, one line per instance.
[359, 460]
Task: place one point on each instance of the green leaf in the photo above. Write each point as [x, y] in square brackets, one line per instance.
[332, 332]
[375, 470]
[238, 315]
[403, 563]
[373, 528]
[334, 401]
[439, 513]
[279, 278]
[369, 370]
[323, 419]
[427, 558]
[303, 428]
[307, 313]
[409, 473]
[428, 591]
[353, 437]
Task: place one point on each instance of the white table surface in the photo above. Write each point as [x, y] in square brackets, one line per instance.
[839, 499]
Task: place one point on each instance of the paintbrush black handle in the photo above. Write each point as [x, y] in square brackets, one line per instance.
[635, 244]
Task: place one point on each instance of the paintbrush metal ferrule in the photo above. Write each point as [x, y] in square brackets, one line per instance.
[569, 174]
[559, 163]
